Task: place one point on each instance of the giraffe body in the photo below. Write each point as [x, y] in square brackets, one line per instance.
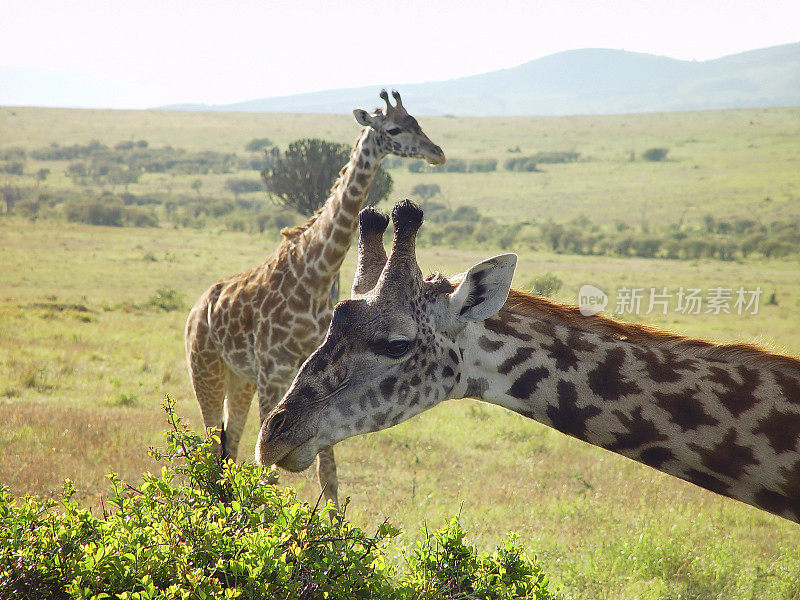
[249, 332]
[725, 417]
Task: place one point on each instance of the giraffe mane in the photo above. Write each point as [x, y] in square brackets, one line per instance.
[291, 232]
[528, 304]
[521, 302]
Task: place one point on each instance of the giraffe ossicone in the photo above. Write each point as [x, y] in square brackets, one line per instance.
[725, 417]
[249, 332]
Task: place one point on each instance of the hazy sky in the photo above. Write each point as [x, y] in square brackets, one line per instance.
[141, 53]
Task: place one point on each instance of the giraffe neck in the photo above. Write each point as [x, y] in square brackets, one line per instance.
[329, 234]
[726, 418]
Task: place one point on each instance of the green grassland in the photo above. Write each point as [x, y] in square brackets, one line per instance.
[87, 350]
[720, 162]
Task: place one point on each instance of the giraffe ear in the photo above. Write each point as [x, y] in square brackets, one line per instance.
[484, 289]
[363, 117]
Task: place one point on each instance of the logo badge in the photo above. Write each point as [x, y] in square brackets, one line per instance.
[591, 300]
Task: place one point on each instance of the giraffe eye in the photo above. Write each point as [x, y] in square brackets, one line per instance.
[394, 348]
[394, 131]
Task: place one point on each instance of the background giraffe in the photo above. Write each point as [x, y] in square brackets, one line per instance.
[725, 417]
[251, 331]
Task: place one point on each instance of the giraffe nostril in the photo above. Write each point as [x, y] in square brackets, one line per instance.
[277, 423]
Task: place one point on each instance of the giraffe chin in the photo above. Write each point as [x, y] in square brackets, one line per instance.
[299, 458]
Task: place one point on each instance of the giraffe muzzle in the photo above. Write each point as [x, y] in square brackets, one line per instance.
[280, 444]
[436, 156]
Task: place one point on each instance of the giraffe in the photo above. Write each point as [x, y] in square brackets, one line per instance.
[725, 417]
[249, 332]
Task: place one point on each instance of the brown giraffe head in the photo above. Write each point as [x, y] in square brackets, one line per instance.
[390, 352]
[398, 132]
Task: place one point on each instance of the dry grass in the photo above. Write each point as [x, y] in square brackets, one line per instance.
[84, 367]
[44, 443]
[85, 361]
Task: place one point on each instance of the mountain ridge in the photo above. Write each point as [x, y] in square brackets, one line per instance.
[582, 81]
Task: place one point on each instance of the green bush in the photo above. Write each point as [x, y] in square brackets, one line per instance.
[455, 165]
[203, 528]
[418, 166]
[110, 211]
[655, 154]
[443, 566]
[96, 212]
[546, 284]
[464, 227]
[466, 213]
[482, 165]
[243, 186]
[166, 299]
[15, 153]
[12, 167]
[525, 164]
[57, 152]
[139, 217]
[529, 163]
[138, 157]
[258, 144]
[555, 157]
[425, 191]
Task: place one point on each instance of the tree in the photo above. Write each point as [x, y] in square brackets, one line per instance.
[41, 175]
[258, 144]
[196, 185]
[301, 178]
[77, 171]
[123, 177]
[11, 195]
[382, 185]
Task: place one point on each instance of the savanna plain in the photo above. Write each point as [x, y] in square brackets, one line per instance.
[91, 319]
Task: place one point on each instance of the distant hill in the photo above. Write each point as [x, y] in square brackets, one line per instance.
[588, 81]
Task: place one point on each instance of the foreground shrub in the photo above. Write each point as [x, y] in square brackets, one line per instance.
[202, 528]
[443, 566]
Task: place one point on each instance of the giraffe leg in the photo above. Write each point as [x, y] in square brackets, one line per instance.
[326, 472]
[207, 370]
[238, 396]
[209, 378]
[270, 391]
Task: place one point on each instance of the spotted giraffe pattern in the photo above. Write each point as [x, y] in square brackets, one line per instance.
[250, 332]
[725, 417]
